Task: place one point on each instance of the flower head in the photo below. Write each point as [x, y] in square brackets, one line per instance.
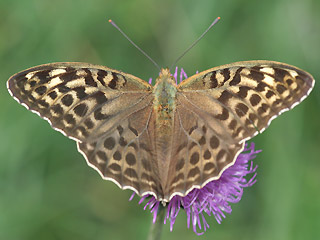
[214, 197]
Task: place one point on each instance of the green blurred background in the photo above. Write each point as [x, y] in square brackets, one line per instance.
[47, 191]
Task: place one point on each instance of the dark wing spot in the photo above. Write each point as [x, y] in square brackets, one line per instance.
[207, 154]
[101, 75]
[194, 172]
[225, 96]
[237, 78]
[279, 74]
[122, 142]
[214, 142]
[194, 158]
[43, 103]
[100, 97]
[209, 167]
[289, 81]
[81, 109]
[232, 125]
[43, 76]
[120, 130]
[261, 86]
[90, 81]
[109, 143]
[281, 88]
[32, 83]
[252, 117]
[117, 156]
[131, 159]
[263, 109]
[82, 130]
[88, 123]
[98, 115]
[41, 90]
[113, 83]
[63, 89]
[180, 164]
[243, 91]
[70, 119]
[80, 91]
[221, 155]
[115, 167]
[270, 94]
[53, 95]
[68, 76]
[204, 129]
[256, 75]
[202, 140]
[57, 109]
[241, 109]
[102, 155]
[224, 115]
[226, 74]
[213, 80]
[255, 99]
[67, 100]
[131, 173]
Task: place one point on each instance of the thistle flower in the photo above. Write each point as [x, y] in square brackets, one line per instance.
[214, 197]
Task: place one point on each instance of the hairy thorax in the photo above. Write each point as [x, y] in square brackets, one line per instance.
[164, 103]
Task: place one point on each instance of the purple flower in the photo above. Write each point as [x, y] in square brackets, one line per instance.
[214, 197]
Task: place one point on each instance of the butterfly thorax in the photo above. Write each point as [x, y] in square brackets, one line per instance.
[164, 101]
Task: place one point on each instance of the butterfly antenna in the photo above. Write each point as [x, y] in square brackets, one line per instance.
[196, 41]
[135, 45]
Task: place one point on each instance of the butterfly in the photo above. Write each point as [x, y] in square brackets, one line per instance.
[167, 139]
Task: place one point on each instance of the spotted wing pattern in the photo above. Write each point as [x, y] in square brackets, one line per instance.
[219, 109]
[106, 111]
[110, 115]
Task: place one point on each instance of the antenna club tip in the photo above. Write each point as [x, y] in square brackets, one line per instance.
[109, 20]
[217, 18]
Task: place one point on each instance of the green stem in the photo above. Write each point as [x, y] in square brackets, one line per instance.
[156, 228]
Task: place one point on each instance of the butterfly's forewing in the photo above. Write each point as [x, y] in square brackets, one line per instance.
[106, 111]
[219, 109]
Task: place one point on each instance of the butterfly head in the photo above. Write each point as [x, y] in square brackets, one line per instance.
[166, 76]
